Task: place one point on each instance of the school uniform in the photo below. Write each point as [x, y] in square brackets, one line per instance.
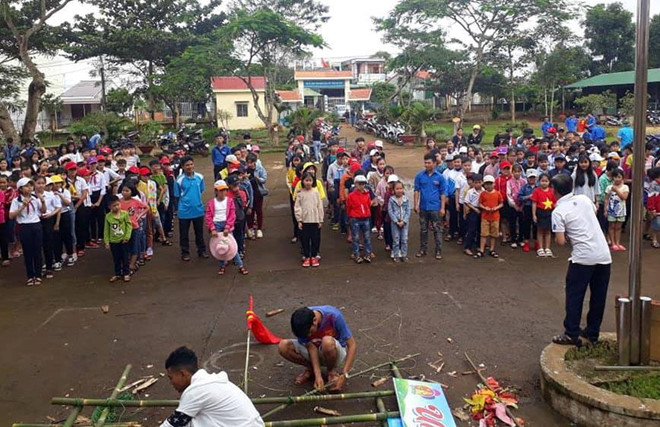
[63, 237]
[48, 219]
[82, 214]
[97, 191]
[30, 233]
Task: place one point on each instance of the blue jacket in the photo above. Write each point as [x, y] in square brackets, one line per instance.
[399, 212]
[598, 133]
[545, 126]
[247, 186]
[189, 190]
[571, 124]
[526, 190]
[431, 188]
[10, 152]
[219, 154]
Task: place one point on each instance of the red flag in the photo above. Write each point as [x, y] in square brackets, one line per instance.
[324, 64]
[260, 332]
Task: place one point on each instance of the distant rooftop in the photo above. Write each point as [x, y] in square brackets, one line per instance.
[84, 92]
[615, 79]
[323, 74]
[232, 83]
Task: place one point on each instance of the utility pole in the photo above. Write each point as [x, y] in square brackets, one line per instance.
[102, 84]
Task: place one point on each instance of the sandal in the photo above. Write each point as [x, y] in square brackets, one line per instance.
[221, 271]
[303, 378]
[468, 252]
[564, 339]
[494, 254]
[127, 278]
[37, 281]
[113, 279]
[479, 254]
[30, 282]
[656, 245]
[243, 271]
[166, 243]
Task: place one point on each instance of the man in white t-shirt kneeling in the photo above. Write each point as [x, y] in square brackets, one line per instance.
[207, 400]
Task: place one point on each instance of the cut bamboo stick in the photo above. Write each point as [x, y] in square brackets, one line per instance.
[346, 419]
[145, 385]
[73, 416]
[274, 312]
[122, 380]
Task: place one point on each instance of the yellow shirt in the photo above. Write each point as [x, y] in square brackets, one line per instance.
[319, 188]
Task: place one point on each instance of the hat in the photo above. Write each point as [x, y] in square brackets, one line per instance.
[223, 248]
[165, 160]
[49, 181]
[56, 178]
[232, 180]
[232, 159]
[449, 157]
[560, 157]
[378, 143]
[501, 151]
[462, 150]
[106, 151]
[134, 169]
[614, 155]
[308, 165]
[532, 173]
[23, 182]
[341, 150]
[489, 178]
[256, 149]
[371, 145]
[144, 171]
[493, 154]
[70, 166]
[92, 160]
[477, 127]
[220, 185]
[100, 159]
[373, 152]
[355, 167]
[300, 138]
[360, 178]
[392, 178]
[504, 165]
[595, 157]
[84, 172]
[552, 129]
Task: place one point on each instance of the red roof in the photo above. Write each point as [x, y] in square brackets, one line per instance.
[359, 95]
[235, 83]
[289, 95]
[423, 75]
[323, 74]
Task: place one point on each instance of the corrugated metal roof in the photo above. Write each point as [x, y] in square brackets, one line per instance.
[221, 83]
[84, 89]
[614, 79]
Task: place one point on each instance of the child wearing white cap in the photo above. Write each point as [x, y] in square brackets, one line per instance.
[25, 209]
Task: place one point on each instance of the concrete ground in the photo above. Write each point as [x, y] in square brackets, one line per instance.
[58, 342]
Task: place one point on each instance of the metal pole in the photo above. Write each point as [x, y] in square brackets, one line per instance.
[247, 363]
[623, 328]
[636, 218]
[645, 331]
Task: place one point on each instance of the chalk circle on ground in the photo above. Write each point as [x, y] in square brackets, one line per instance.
[232, 358]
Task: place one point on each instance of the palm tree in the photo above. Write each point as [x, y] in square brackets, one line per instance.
[303, 119]
[417, 116]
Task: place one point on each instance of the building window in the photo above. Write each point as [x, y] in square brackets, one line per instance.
[241, 109]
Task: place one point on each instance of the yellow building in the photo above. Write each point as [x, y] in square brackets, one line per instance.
[233, 95]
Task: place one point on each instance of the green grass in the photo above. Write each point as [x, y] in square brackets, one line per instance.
[644, 387]
[603, 351]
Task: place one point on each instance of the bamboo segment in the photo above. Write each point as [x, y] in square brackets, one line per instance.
[257, 401]
[380, 405]
[361, 418]
[113, 395]
[124, 424]
[73, 416]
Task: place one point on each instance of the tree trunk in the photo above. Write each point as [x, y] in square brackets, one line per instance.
[552, 102]
[513, 105]
[473, 76]
[53, 122]
[35, 91]
[151, 102]
[545, 100]
[177, 115]
[6, 124]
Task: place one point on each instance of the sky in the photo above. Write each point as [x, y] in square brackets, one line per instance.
[348, 33]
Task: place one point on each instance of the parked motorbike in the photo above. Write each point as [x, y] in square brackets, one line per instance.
[615, 120]
[653, 117]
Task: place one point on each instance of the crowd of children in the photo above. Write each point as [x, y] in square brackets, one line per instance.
[472, 197]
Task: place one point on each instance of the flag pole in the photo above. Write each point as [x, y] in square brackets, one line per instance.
[247, 362]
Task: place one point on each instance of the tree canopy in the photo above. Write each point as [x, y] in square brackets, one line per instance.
[609, 32]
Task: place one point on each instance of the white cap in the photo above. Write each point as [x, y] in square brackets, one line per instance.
[392, 178]
[489, 178]
[378, 143]
[23, 182]
[373, 152]
[462, 150]
[360, 178]
[48, 181]
[231, 159]
[595, 157]
[449, 157]
[532, 173]
[613, 155]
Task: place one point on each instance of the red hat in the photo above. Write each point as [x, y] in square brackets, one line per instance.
[84, 172]
[106, 151]
[165, 160]
[145, 171]
[134, 169]
[355, 167]
[353, 161]
[371, 145]
[493, 154]
[300, 138]
[505, 165]
[100, 159]
[70, 166]
[341, 150]
[552, 130]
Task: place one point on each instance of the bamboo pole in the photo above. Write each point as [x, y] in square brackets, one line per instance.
[380, 405]
[395, 371]
[124, 424]
[347, 419]
[483, 380]
[348, 375]
[247, 363]
[257, 401]
[73, 416]
[113, 395]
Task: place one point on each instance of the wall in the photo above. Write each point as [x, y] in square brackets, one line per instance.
[227, 101]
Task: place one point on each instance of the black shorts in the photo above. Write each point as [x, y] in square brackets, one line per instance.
[544, 218]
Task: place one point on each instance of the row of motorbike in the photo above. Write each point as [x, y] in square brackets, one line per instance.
[652, 118]
[391, 131]
[182, 142]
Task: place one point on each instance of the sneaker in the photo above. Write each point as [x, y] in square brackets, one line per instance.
[150, 252]
[367, 259]
[335, 227]
[540, 253]
[306, 262]
[293, 240]
[5, 263]
[549, 254]
[315, 262]
[260, 234]
[404, 259]
[70, 262]
[250, 234]
[526, 247]
[374, 230]
[514, 245]
[74, 257]
[57, 266]
[358, 259]
[438, 256]
[395, 259]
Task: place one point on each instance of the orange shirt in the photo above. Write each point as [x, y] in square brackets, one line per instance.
[490, 199]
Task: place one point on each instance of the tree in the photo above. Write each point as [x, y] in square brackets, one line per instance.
[483, 22]
[597, 102]
[610, 33]
[654, 42]
[382, 92]
[627, 104]
[143, 36]
[24, 33]
[119, 100]
[51, 105]
[417, 115]
[224, 117]
[11, 78]
[303, 119]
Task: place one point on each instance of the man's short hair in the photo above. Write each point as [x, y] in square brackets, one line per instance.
[301, 322]
[182, 358]
[359, 138]
[562, 184]
[251, 157]
[186, 159]
[429, 157]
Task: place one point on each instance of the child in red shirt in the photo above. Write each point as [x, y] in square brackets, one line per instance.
[543, 203]
[490, 203]
[358, 209]
[500, 186]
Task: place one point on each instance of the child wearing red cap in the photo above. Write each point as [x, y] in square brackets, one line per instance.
[500, 185]
[83, 206]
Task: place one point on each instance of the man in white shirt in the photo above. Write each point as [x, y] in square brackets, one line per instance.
[207, 400]
[590, 263]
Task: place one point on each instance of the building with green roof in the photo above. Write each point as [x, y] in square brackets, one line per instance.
[618, 83]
